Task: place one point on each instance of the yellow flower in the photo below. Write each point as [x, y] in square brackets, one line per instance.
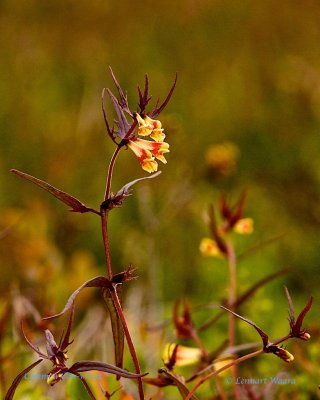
[147, 151]
[152, 127]
[184, 355]
[244, 226]
[284, 354]
[222, 158]
[209, 248]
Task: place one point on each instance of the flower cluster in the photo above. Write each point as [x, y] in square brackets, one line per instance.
[148, 151]
[231, 221]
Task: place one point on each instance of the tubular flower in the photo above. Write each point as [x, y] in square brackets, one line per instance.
[152, 127]
[183, 355]
[147, 151]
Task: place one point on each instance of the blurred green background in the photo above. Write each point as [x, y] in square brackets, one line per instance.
[245, 116]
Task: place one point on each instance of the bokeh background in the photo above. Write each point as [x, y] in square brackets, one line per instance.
[245, 116]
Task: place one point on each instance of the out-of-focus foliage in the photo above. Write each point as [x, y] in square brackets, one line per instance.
[245, 115]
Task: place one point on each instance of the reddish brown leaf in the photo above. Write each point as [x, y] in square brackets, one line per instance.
[184, 391]
[11, 391]
[157, 110]
[264, 336]
[302, 315]
[75, 204]
[87, 365]
[98, 281]
[117, 329]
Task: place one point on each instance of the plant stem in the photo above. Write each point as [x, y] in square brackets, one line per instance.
[132, 350]
[110, 172]
[104, 226]
[231, 256]
[216, 372]
[117, 304]
[116, 301]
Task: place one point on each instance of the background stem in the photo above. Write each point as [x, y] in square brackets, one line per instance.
[231, 256]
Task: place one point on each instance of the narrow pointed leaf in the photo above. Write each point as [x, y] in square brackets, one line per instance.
[110, 130]
[264, 336]
[18, 379]
[65, 341]
[248, 293]
[245, 296]
[33, 347]
[123, 98]
[302, 315]
[184, 391]
[116, 200]
[98, 281]
[121, 122]
[126, 188]
[50, 343]
[157, 110]
[144, 98]
[239, 208]
[75, 204]
[291, 308]
[83, 366]
[117, 329]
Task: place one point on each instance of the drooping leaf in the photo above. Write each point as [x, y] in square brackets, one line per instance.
[184, 391]
[117, 329]
[75, 204]
[11, 391]
[98, 281]
[88, 365]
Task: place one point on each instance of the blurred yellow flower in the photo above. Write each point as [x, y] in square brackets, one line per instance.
[184, 355]
[244, 226]
[209, 248]
[222, 157]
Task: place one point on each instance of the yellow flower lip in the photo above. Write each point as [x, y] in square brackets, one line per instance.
[184, 355]
[54, 378]
[244, 226]
[209, 248]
